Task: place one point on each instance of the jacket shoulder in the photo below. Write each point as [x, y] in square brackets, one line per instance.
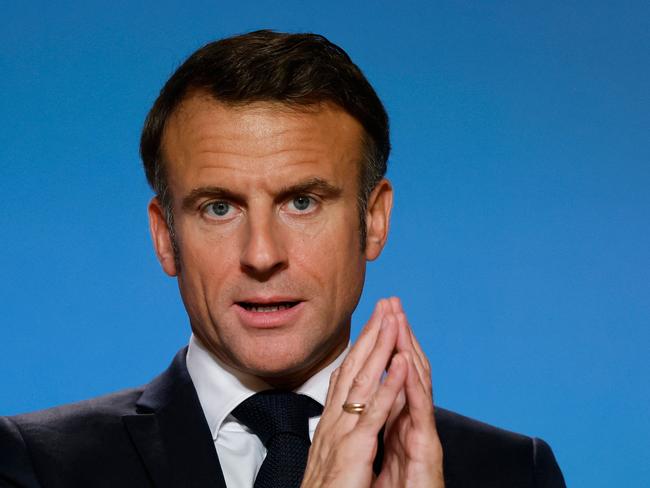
[51, 444]
[78, 414]
[479, 454]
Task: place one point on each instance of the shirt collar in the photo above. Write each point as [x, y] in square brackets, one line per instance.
[221, 388]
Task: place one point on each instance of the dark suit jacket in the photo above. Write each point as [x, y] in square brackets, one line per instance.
[158, 436]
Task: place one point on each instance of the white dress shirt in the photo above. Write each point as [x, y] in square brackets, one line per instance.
[220, 389]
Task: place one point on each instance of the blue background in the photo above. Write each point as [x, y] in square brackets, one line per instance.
[521, 234]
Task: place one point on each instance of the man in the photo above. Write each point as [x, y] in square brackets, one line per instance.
[267, 154]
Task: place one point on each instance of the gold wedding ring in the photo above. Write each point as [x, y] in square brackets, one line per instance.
[357, 408]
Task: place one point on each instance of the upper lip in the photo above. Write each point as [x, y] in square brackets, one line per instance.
[259, 300]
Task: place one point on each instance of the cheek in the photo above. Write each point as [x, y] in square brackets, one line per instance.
[205, 242]
[305, 228]
[207, 259]
[332, 257]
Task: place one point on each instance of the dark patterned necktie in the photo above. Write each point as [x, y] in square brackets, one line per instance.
[281, 420]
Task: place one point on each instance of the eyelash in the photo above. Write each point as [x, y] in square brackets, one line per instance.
[314, 202]
[206, 208]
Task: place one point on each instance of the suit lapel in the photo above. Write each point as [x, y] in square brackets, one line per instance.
[171, 434]
[145, 434]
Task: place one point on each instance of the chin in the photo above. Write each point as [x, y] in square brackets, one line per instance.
[272, 360]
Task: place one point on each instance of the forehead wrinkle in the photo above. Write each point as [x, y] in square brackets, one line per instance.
[283, 167]
[252, 119]
[226, 159]
[205, 141]
[270, 176]
[274, 143]
[269, 182]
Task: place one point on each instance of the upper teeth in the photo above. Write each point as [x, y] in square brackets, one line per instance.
[266, 308]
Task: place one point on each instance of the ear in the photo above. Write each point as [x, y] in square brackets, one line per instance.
[162, 241]
[380, 203]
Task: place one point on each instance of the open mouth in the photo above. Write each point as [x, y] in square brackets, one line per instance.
[267, 307]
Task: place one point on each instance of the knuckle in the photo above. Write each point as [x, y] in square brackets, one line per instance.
[360, 380]
[348, 365]
[427, 372]
[427, 365]
[371, 407]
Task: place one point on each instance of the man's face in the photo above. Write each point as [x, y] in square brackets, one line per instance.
[265, 206]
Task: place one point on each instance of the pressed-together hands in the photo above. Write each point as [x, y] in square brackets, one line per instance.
[345, 444]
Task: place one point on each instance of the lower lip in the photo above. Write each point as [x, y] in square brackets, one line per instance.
[268, 320]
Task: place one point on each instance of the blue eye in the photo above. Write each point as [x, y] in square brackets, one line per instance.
[302, 202]
[302, 205]
[219, 208]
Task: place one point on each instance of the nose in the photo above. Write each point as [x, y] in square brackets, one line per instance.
[263, 253]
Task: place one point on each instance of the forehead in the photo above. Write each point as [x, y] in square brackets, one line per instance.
[206, 139]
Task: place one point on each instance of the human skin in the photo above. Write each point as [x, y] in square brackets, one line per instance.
[265, 206]
[266, 212]
[345, 444]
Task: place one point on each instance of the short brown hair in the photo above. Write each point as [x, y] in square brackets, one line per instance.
[298, 70]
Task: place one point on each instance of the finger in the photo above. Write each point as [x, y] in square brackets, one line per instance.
[418, 400]
[407, 341]
[395, 304]
[422, 363]
[397, 308]
[332, 386]
[367, 380]
[358, 354]
[397, 409]
[418, 349]
[405, 344]
[368, 336]
[426, 365]
[379, 407]
[332, 406]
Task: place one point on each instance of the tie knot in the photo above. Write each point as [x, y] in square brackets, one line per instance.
[272, 412]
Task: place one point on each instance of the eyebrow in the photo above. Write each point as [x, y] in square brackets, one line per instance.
[215, 192]
[311, 185]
